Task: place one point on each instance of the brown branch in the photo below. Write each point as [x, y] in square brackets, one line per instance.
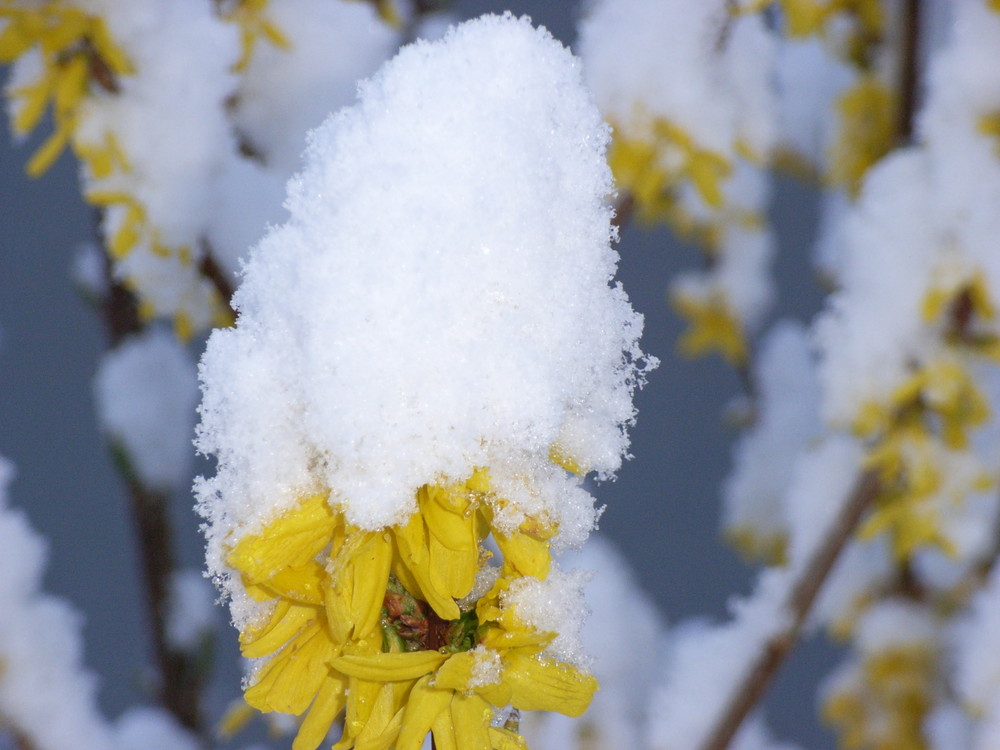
[181, 677]
[211, 270]
[909, 69]
[758, 678]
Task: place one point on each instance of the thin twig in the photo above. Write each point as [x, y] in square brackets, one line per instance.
[755, 682]
[212, 271]
[909, 69]
[181, 677]
[758, 678]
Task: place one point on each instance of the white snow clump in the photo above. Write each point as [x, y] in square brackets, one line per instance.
[440, 299]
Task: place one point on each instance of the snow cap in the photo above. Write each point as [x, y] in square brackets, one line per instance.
[440, 299]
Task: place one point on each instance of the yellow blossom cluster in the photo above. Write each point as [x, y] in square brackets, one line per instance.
[404, 630]
[652, 169]
[712, 326]
[76, 53]
[867, 131]
[809, 17]
[868, 108]
[882, 699]
[81, 60]
[920, 447]
[655, 169]
[928, 418]
[251, 17]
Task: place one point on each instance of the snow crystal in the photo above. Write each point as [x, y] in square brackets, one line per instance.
[963, 88]
[948, 727]
[555, 605]
[823, 478]
[248, 201]
[873, 331]
[146, 391]
[487, 668]
[810, 80]
[89, 271]
[440, 299]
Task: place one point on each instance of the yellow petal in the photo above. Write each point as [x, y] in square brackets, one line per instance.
[558, 456]
[423, 707]
[31, 102]
[452, 571]
[528, 554]
[358, 578]
[504, 739]
[14, 42]
[291, 540]
[471, 716]
[128, 233]
[538, 685]
[456, 672]
[71, 86]
[361, 697]
[389, 667]
[412, 541]
[304, 584]
[49, 151]
[444, 732]
[294, 620]
[371, 566]
[403, 574]
[337, 600]
[502, 638]
[107, 197]
[72, 26]
[380, 734]
[329, 702]
[292, 678]
[453, 527]
[110, 52]
[275, 35]
[234, 720]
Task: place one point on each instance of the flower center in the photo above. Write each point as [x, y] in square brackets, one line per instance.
[409, 624]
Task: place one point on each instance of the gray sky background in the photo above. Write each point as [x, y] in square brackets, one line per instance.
[663, 510]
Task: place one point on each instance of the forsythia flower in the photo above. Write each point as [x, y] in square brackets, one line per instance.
[921, 436]
[868, 131]
[885, 700]
[255, 26]
[367, 621]
[75, 49]
[653, 168]
[713, 327]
